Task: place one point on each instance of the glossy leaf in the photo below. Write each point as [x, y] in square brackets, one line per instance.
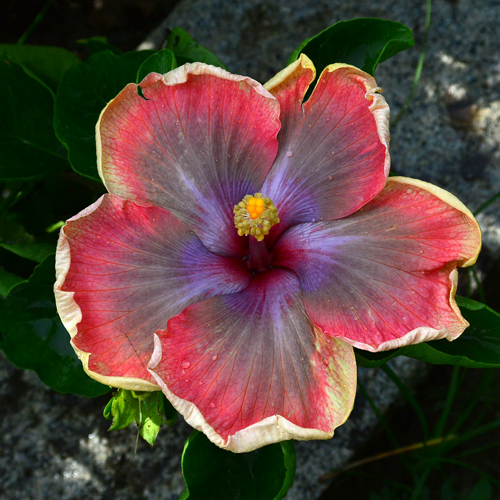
[30, 149]
[47, 63]
[33, 337]
[83, 93]
[215, 474]
[162, 62]
[186, 50]
[477, 347]
[363, 42]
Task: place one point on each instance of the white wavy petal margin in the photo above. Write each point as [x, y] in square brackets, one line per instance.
[71, 314]
[270, 430]
[177, 76]
[425, 333]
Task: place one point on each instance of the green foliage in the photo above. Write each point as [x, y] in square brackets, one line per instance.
[161, 62]
[33, 337]
[186, 50]
[30, 149]
[48, 64]
[84, 92]
[98, 44]
[147, 409]
[477, 347]
[215, 474]
[363, 42]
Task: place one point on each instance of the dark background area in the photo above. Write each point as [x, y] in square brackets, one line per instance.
[124, 22]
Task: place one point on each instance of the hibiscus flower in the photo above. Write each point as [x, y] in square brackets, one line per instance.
[250, 239]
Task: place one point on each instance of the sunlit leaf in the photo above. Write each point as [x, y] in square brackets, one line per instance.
[162, 62]
[363, 42]
[186, 50]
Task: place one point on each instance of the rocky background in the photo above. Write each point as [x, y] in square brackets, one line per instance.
[57, 446]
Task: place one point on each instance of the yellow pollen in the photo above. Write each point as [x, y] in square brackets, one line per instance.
[255, 215]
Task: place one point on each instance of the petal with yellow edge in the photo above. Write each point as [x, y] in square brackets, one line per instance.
[333, 148]
[250, 369]
[385, 276]
[123, 270]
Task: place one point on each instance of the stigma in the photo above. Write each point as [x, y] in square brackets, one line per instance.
[255, 216]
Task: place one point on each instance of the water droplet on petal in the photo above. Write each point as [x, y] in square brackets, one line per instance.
[229, 156]
[200, 383]
[289, 154]
[214, 357]
[212, 405]
[330, 177]
[185, 364]
[313, 220]
[311, 210]
[409, 191]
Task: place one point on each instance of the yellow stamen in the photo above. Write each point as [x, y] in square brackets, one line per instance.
[255, 215]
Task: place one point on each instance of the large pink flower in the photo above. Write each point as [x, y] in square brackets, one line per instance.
[251, 338]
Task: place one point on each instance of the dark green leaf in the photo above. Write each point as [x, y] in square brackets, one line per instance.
[98, 44]
[162, 62]
[28, 144]
[13, 237]
[151, 414]
[47, 63]
[477, 347]
[363, 42]
[83, 93]
[169, 411]
[8, 282]
[215, 474]
[33, 337]
[372, 359]
[186, 50]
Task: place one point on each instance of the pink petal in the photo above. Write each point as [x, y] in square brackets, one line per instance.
[333, 149]
[123, 271]
[202, 140]
[250, 369]
[385, 276]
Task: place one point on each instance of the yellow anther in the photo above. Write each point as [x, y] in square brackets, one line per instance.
[255, 215]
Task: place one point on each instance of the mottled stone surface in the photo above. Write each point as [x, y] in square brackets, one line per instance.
[57, 446]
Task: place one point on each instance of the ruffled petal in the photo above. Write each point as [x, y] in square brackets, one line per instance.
[196, 145]
[333, 149]
[385, 276]
[123, 270]
[250, 369]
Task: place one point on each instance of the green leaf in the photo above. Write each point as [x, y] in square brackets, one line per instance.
[215, 474]
[98, 44]
[13, 237]
[477, 347]
[170, 412]
[8, 282]
[30, 149]
[146, 409]
[33, 337]
[482, 491]
[83, 93]
[363, 42]
[186, 50]
[373, 359]
[47, 63]
[162, 62]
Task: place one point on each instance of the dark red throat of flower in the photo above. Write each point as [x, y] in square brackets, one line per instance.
[254, 216]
